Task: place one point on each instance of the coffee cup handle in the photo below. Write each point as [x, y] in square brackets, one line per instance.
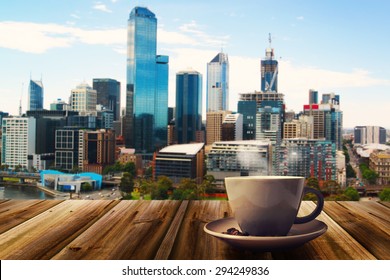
[317, 210]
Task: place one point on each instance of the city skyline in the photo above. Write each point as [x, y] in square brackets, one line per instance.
[328, 47]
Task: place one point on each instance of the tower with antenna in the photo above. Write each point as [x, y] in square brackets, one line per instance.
[269, 69]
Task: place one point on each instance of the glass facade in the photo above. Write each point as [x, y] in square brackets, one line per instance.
[269, 72]
[188, 106]
[67, 149]
[248, 111]
[147, 84]
[218, 84]
[108, 95]
[35, 95]
[308, 158]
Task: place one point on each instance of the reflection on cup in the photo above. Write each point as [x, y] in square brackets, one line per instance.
[268, 205]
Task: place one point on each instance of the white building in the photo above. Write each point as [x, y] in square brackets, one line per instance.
[218, 83]
[83, 99]
[18, 141]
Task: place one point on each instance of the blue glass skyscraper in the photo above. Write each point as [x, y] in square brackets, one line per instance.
[218, 84]
[146, 119]
[188, 106]
[269, 71]
[35, 95]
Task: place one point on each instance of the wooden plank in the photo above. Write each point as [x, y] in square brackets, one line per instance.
[44, 235]
[374, 212]
[130, 230]
[369, 230]
[385, 203]
[335, 244]
[15, 212]
[193, 243]
[167, 244]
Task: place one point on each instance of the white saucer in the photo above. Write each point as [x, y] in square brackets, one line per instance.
[298, 235]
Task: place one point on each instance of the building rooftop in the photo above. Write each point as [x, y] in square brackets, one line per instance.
[244, 142]
[188, 149]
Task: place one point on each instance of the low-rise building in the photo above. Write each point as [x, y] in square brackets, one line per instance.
[180, 161]
[380, 163]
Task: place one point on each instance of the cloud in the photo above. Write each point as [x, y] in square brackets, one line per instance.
[300, 18]
[101, 7]
[43, 37]
[194, 31]
[75, 16]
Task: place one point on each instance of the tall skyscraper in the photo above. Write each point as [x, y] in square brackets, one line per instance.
[269, 70]
[188, 118]
[109, 95]
[146, 120]
[35, 95]
[313, 96]
[327, 119]
[83, 99]
[218, 83]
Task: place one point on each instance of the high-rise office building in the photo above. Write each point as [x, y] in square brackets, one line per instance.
[83, 99]
[260, 97]
[35, 95]
[99, 150]
[214, 122]
[308, 158]
[18, 141]
[269, 127]
[108, 94]
[218, 83]
[327, 119]
[146, 119]
[269, 71]
[313, 96]
[188, 118]
[248, 111]
[232, 127]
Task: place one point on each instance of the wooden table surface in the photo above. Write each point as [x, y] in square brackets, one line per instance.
[113, 229]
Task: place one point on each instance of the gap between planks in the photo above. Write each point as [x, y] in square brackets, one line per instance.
[166, 246]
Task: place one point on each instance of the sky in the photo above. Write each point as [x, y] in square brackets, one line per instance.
[331, 46]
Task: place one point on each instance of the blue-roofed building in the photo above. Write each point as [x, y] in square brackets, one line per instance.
[66, 182]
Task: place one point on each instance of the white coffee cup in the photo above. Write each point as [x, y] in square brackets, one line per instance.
[268, 205]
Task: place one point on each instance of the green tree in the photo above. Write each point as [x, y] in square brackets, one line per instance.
[127, 183]
[331, 187]
[368, 174]
[351, 194]
[188, 189]
[313, 183]
[86, 187]
[149, 172]
[129, 167]
[384, 195]
[208, 184]
[161, 188]
[351, 173]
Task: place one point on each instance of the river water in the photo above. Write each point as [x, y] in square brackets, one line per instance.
[23, 193]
